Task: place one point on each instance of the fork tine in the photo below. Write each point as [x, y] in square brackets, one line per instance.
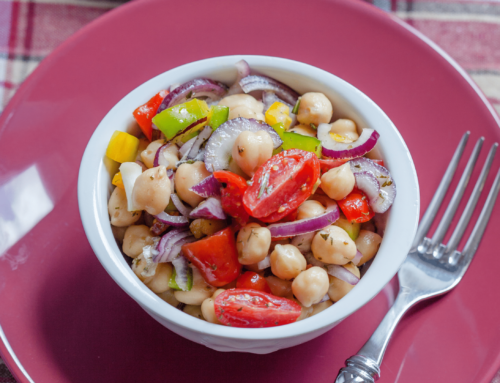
[443, 226]
[433, 208]
[471, 204]
[478, 231]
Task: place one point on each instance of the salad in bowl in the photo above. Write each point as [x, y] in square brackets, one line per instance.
[247, 205]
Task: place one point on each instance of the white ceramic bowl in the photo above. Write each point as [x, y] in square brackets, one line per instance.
[94, 188]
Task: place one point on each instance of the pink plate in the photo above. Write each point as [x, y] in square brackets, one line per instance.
[63, 317]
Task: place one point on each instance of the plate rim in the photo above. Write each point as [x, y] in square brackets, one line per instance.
[6, 352]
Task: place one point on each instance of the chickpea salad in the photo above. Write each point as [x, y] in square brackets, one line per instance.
[247, 206]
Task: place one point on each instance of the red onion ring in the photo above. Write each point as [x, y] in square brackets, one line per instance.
[381, 200]
[167, 241]
[265, 263]
[243, 70]
[339, 150]
[305, 225]
[181, 266]
[209, 187]
[259, 82]
[357, 257]
[343, 274]
[159, 157]
[199, 87]
[209, 209]
[187, 147]
[200, 140]
[220, 145]
[172, 220]
[183, 209]
[176, 247]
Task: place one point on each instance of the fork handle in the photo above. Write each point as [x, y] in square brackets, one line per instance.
[364, 367]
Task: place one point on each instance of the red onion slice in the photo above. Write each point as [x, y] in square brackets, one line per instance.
[173, 220]
[187, 147]
[181, 266]
[220, 145]
[176, 247]
[141, 164]
[368, 183]
[209, 209]
[305, 225]
[340, 150]
[265, 263]
[303, 242]
[130, 171]
[209, 187]
[383, 200]
[200, 140]
[160, 157]
[168, 241]
[199, 87]
[171, 177]
[343, 274]
[243, 70]
[325, 298]
[258, 82]
[269, 98]
[357, 257]
[183, 209]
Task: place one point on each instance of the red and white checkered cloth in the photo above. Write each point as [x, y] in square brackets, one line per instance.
[468, 31]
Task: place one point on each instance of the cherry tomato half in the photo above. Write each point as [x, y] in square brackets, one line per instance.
[281, 184]
[252, 308]
[252, 280]
[216, 257]
[355, 207]
[233, 187]
[329, 163]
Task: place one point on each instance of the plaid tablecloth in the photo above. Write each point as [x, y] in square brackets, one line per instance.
[468, 31]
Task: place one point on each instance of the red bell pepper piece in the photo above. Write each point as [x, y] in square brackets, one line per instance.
[355, 207]
[145, 113]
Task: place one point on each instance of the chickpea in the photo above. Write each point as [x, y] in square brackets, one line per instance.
[345, 128]
[118, 209]
[217, 293]
[321, 306]
[315, 109]
[305, 312]
[152, 190]
[250, 150]
[194, 311]
[338, 288]
[367, 243]
[287, 261]
[188, 175]
[253, 243]
[136, 237]
[148, 155]
[311, 285]
[333, 245]
[208, 311]
[303, 242]
[310, 209]
[305, 130]
[338, 182]
[201, 226]
[169, 297]
[159, 283]
[243, 105]
[279, 287]
[143, 268]
[200, 291]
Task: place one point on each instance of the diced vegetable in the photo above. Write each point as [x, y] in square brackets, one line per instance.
[219, 115]
[293, 140]
[216, 257]
[232, 189]
[117, 181]
[279, 128]
[252, 280]
[173, 284]
[352, 228]
[122, 147]
[130, 171]
[278, 112]
[184, 118]
[355, 207]
[145, 113]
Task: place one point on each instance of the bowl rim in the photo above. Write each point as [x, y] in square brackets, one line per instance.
[366, 289]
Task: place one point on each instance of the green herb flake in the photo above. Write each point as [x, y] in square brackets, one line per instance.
[241, 308]
[324, 236]
[189, 95]
[263, 185]
[387, 183]
[295, 109]
[313, 126]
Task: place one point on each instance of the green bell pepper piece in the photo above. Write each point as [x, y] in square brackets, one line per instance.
[173, 284]
[351, 228]
[179, 119]
[279, 128]
[219, 116]
[298, 141]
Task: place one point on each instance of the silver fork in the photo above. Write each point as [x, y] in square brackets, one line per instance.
[431, 267]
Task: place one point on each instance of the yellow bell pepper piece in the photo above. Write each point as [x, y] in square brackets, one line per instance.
[117, 180]
[122, 147]
[278, 112]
